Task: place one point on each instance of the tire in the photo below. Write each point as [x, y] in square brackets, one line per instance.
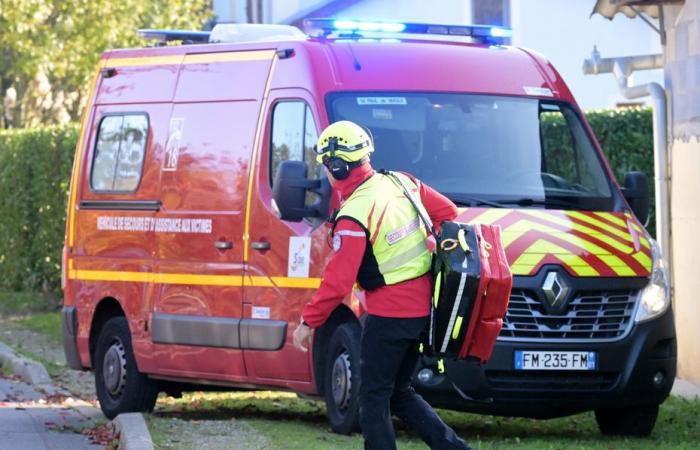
[120, 386]
[636, 421]
[342, 379]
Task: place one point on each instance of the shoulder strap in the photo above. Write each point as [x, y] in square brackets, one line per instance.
[420, 209]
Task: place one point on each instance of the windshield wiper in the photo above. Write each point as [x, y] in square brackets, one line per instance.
[529, 201]
[465, 200]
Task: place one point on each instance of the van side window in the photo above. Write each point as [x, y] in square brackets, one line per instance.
[118, 159]
[294, 135]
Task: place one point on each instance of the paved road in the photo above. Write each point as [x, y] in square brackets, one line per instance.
[30, 420]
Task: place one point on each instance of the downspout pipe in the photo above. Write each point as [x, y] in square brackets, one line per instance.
[622, 68]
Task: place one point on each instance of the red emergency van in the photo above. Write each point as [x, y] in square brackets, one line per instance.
[180, 270]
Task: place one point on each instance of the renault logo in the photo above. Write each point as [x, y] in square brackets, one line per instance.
[554, 288]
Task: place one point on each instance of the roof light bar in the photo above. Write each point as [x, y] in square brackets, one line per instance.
[343, 27]
[174, 35]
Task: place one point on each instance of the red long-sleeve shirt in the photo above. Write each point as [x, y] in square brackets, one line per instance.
[409, 298]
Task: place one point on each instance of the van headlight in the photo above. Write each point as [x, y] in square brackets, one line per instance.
[656, 296]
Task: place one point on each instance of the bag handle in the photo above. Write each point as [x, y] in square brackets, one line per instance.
[417, 205]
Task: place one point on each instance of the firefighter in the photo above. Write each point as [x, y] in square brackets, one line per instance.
[379, 241]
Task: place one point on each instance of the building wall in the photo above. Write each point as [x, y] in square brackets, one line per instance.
[683, 83]
[448, 11]
[564, 32]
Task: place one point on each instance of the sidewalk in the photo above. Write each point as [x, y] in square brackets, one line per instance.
[30, 420]
[685, 389]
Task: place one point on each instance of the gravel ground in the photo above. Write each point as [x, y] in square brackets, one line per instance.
[171, 432]
[39, 346]
[177, 434]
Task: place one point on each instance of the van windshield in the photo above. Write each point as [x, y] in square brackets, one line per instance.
[483, 149]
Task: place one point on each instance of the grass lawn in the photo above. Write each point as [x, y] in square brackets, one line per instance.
[47, 323]
[20, 303]
[288, 422]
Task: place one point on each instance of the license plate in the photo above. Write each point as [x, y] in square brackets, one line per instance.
[545, 360]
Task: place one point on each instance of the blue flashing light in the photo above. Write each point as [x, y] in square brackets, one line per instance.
[348, 25]
[354, 25]
[343, 27]
[393, 27]
[501, 32]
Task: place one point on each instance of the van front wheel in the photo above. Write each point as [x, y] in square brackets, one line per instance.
[630, 421]
[120, 386]
[342, 379]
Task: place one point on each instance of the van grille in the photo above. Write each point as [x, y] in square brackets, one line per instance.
[589, 315]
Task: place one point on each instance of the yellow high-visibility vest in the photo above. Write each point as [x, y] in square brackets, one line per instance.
[396, 237]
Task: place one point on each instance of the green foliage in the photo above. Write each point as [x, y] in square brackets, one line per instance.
[626, 137]
[35, 166]
[49, 48]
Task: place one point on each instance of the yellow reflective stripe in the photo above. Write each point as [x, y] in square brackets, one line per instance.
[441, 366]
[540, 248]
[583, 229]
[79, 156]
[610, 229]
[194, 279]
[491, 215]
[254, 158]
[610, 217]
[643, 259]
[252, 55]
[145, 61]
[507, 237]
[282, 282]
[436, 292]
[617, 265]
[403, 258]
[196, 58]
[458, 325]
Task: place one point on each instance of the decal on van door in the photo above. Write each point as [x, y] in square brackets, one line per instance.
[154, 224]
[172, 147]
[299, 256]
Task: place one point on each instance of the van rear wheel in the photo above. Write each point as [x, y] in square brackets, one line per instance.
[630, 421]
[120, 386]
[342, 379]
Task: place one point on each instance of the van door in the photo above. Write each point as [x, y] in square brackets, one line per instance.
[283, 258]
[197, 319]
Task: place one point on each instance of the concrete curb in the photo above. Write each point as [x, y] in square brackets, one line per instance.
[132, 431]
[28, 370]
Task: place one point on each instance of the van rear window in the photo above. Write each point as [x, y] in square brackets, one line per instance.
[118, 157]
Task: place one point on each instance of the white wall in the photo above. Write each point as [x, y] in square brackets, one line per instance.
[442, 11]
[563, 32]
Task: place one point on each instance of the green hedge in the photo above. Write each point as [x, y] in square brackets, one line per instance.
[35, 167]
[626, 137]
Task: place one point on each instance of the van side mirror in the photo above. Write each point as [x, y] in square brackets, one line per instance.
[289, 192]
[636, 192]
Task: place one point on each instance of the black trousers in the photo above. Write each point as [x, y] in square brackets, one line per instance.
[388, 359]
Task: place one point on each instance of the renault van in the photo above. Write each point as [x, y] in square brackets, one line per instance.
[181, 269]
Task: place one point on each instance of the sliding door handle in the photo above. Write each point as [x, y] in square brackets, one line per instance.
[260, 245]
[223, 245]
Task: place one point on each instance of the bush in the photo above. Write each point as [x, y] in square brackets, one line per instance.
[35, 168]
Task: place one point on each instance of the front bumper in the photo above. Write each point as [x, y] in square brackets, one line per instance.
[625, 377]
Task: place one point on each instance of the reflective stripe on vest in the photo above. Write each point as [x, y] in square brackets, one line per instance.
[396, 235]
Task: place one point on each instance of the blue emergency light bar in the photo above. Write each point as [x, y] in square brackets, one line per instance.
[352, 28]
